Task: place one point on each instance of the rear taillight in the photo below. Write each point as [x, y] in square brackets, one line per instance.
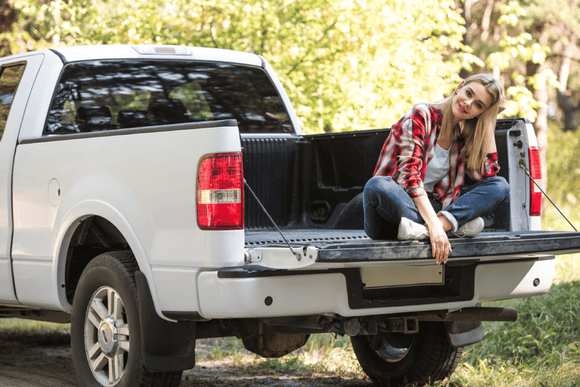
[536, 173]
[220, 192]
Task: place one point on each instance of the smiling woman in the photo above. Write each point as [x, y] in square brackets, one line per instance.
[470, 102]
[436, 175]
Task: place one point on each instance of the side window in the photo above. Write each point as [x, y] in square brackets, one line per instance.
[9, 80]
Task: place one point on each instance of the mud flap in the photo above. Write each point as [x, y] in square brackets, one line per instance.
[167, 346]
[463, 333]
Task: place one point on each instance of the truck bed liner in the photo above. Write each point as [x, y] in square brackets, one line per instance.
[356, 246]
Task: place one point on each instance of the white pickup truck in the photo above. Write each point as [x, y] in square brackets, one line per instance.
[124, 210]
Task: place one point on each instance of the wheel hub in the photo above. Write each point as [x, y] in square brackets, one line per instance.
[392, 348]
[107, 336]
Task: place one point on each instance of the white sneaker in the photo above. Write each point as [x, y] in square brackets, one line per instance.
[409, 230]
[470, 229]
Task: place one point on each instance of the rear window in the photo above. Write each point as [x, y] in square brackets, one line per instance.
[108, 95]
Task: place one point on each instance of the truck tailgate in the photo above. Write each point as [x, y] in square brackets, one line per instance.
[352, 246]
[346, 273]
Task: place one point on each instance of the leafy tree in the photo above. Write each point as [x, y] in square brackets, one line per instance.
[532, 41]
[349, 64]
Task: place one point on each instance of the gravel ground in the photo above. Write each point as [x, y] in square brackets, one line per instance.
[42, 360]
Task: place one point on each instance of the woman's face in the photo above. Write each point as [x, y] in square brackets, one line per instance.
[471, 100]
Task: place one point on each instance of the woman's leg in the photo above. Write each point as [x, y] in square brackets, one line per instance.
[477, 200]
[385, 203]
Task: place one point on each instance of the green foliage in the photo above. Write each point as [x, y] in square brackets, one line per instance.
[564, 171]
[514, 47]
[346, 65]
[22, 325]
[546, 331]
[322, 353]
[542, 348]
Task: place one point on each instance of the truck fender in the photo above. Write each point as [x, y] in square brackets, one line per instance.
[167, 346]
[68, 226]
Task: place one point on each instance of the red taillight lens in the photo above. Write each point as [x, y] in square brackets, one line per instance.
[220, 192]
[536, 173]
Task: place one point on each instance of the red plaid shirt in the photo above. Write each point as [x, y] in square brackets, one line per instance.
[411, 145]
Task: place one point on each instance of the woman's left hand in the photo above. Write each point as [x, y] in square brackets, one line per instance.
[440, 246]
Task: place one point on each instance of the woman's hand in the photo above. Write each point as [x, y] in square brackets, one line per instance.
[502, 106]
[440, 246]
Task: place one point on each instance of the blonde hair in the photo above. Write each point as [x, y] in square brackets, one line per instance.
[478, 129]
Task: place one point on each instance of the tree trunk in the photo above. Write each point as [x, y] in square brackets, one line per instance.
[541, 95]
[463, 73]
[566, 62]
[541, 123]
[486, 20]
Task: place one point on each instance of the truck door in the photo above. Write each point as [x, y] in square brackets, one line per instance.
[16, 79]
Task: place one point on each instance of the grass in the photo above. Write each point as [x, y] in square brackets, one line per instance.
[32, 326]
[542, 348]
[322, 353]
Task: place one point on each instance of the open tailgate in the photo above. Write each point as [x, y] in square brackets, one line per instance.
[353, 246]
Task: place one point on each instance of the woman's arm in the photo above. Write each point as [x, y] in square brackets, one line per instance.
[440, 246]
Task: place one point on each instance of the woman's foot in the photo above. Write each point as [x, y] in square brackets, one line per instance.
[470, 229]
[409, 230]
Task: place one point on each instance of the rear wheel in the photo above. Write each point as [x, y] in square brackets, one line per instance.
[395, 359]
[105, 327]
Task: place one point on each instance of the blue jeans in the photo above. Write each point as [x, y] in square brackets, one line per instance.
[385, 203]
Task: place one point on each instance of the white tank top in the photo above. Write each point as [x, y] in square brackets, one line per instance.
[437, 168]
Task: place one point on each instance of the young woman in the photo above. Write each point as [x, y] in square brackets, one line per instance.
[436, 174]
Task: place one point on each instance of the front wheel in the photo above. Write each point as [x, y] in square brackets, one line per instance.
[105, 327]
[396, 359]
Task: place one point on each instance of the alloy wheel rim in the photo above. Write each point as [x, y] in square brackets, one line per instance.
[106, 336]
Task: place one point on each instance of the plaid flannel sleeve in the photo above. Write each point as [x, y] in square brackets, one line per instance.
[412, 148]
[491, 168]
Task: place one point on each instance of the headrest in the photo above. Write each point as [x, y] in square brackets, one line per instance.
[166, 111]
[93, 118]
[132, 118]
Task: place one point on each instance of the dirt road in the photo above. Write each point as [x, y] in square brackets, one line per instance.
[43, 360]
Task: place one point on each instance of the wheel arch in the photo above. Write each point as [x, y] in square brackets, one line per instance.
[87, 230]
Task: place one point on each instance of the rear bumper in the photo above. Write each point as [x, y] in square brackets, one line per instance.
[242, 294]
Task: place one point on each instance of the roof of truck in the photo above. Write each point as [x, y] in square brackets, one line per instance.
[120, 51]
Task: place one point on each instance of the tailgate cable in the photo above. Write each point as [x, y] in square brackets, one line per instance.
[523, 166]
[297, 255]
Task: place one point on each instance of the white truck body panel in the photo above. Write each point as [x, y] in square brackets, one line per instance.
[129, 183]
[326, 294]
[7, 150]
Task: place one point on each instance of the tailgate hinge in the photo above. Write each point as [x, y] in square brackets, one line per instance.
[271, 258]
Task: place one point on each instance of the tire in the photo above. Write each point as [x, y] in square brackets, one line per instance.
[106, 330]
[396, 359]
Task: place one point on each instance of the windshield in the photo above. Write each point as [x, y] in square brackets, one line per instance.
[107, 95]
